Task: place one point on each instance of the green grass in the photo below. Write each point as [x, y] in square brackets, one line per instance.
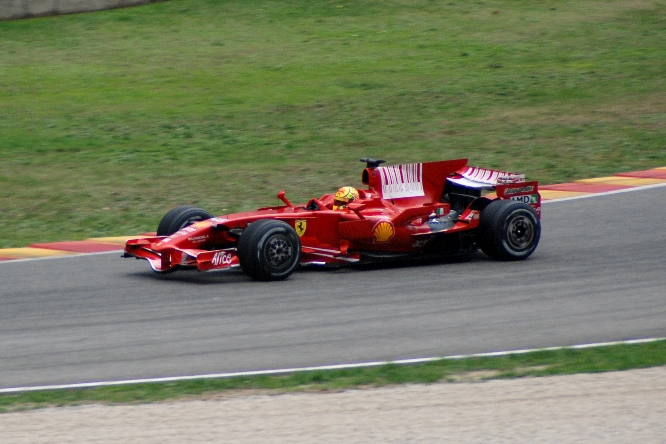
[534, 364]
[109, 119]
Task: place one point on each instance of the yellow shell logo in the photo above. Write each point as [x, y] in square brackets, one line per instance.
[383, 231]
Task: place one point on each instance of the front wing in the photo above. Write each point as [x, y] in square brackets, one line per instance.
[171, 258]
[163, 260]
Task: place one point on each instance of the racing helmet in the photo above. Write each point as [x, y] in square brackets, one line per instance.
[343, 197]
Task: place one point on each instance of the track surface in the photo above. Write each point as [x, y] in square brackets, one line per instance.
[598, 275]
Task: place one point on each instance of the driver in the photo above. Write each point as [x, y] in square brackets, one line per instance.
[343, 197]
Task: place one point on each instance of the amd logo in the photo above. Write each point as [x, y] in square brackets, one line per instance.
[527, 198]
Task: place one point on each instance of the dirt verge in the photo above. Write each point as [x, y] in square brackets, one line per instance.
[617, 407]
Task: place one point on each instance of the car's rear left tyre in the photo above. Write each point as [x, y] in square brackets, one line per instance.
[269, 250]
[509, 230]
[179, 218]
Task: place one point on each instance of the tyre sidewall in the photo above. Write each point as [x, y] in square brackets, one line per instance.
[511, 216]
[179, 218]
[279, 234]
[254, 249]
[497, 221]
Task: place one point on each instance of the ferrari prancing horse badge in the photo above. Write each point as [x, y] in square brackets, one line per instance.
[300, 227]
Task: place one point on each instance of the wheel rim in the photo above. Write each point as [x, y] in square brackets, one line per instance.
[520, 233]
[278, 251]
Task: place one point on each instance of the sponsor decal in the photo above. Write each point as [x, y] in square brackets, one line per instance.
[473, 215]
[526, 189]
[383, 231]
[401, 181]
[300, 226]
[511, 178]
[222, 258]
[420, 243]
[526, 198]
[198, 239]
[484, 175]
[182, 232]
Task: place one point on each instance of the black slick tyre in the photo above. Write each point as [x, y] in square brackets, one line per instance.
[269, 250]
[509, 230]
[179, 218]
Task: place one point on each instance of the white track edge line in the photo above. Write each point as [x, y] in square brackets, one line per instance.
[318, 368]
[67, 255]
[605, 193]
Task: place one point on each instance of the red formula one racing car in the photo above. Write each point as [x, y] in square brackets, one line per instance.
[430, 209]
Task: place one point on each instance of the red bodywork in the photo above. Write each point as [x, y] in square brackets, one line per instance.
[401, 212]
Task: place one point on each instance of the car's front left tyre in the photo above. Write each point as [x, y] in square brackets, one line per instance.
[269, 250]
[179, 218]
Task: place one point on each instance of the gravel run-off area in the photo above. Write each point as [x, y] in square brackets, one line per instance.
[614, 407]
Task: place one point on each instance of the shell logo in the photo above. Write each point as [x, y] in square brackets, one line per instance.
[383, 231]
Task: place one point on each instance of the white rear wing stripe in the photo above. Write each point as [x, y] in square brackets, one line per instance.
[484, 178]
[401, 181]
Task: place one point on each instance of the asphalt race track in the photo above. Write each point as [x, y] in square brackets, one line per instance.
[599, 274]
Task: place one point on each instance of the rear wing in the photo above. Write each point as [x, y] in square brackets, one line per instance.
[428, 182]
[484, 178]
[506, 185]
